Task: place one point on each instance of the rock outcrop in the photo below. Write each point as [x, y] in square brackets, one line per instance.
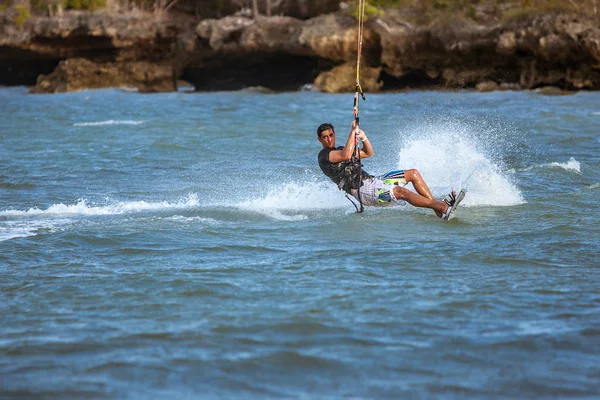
[92, 50]
[150, 53]
[548, 50]
[79, 73]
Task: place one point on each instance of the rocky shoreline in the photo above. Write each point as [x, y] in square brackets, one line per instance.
[152, 53]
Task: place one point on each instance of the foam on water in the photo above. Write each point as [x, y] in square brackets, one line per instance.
[84, 209]
[21, 228]
[571, 165]
[536, 328]
[109, 122]
[452, 156]
[13, 231]
[23, 223]
[285, 201]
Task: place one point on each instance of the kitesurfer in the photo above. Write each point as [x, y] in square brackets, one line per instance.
[344, 168]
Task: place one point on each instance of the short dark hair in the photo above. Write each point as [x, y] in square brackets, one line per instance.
[324, 127]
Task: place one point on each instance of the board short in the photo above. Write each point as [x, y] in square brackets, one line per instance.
[379, 191]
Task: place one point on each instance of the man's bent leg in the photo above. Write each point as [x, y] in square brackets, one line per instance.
[414, 176]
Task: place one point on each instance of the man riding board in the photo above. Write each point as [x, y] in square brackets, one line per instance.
[342, 165]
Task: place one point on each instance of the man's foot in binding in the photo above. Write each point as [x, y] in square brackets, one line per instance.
[452, 200]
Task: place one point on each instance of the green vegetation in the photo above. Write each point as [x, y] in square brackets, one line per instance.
[416, 11]
[427, 10]
[45, 5]
[529, 7]
[22, 15]
[83, 4]
[371, 10]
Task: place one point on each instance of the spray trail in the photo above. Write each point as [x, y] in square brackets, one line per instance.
[83, 208]
[452, 156]
[15, 223]
[290, 201]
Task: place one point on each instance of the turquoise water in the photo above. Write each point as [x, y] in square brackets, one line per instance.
[186, 245]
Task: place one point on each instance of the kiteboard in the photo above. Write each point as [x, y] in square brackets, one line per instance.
[459, 197]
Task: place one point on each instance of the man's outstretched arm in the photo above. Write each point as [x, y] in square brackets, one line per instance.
[346, 153]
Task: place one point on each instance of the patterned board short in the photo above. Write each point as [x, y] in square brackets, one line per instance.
[379, 191]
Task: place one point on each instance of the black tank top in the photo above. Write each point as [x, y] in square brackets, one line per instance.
[345, 174]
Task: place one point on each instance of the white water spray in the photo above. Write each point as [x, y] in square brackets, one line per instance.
[451, 156]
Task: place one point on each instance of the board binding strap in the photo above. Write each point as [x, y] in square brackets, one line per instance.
[453, 202]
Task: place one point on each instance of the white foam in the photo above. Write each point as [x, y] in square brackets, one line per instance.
[288, 200]
[24, 223]
[84, 209]
[20, 229]
[181, 218]
[536, 328]
[13, 232]
[109, 122]
[571, 165]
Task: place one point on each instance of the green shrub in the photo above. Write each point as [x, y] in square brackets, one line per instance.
[83, 4]
[90, 5]
[22, 15]
[528, 9]
[427, 10]
[370, 11]
[392, 3]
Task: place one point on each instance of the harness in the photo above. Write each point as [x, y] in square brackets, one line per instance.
[352, 174]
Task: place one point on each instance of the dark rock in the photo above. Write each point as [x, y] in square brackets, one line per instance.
[552, 91]
[343, 79]
[79, 73]
[510, 86]
[150, 52]
[487, 86]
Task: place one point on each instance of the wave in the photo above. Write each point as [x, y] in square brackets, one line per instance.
[12, 231]
[571, 165]
[109, 122]
[82, 208]
[285, 201]
[24, 223]
[19, 229]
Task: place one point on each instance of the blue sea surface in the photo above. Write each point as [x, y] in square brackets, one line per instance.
[187, 246]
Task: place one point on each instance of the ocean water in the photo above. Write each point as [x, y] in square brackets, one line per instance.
[186, 246]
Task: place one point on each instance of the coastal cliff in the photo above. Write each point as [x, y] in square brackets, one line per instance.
[153, 52]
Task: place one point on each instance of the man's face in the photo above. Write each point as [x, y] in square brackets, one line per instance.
[327, 138]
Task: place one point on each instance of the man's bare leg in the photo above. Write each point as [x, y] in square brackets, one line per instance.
[418, 200]
[414, 176]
